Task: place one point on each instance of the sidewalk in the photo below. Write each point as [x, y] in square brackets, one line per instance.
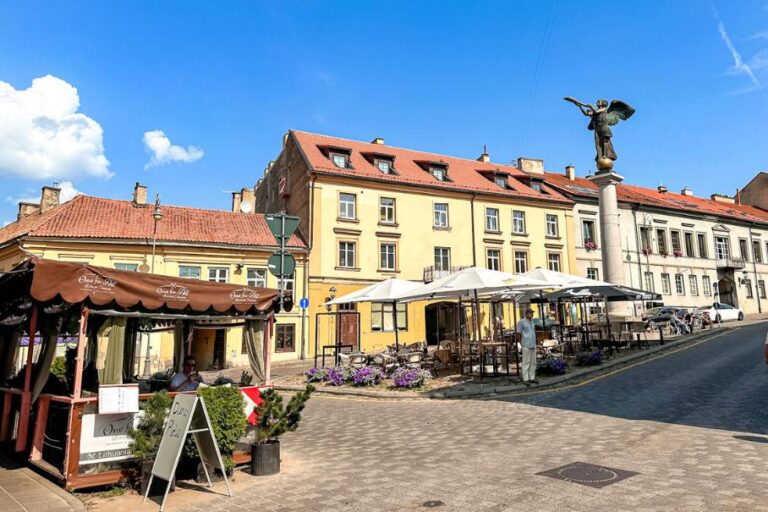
[22, 490]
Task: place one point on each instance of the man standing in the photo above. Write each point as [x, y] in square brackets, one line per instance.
[528, 341]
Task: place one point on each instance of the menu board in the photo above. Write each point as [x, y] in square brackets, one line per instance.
[118, 398]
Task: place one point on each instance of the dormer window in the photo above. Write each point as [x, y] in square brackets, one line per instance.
[501, 181]
[385, 166]
[339, 160]
[438, 173]
[536, 186]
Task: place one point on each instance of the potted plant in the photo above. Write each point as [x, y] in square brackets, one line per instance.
[678, 253]
[148, 433]
[647, 250]
[590, 245]
[272, 421]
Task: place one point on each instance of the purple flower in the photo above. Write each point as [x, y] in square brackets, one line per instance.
[410, 377]
[315, 374]
[366, 376]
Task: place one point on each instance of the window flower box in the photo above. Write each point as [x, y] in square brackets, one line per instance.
[678, 253]
[646, 250]
[590, 245]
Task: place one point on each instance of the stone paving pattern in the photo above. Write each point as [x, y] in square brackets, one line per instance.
[691, 424]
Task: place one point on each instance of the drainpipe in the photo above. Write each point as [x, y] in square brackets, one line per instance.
[637, 247]
[304, 312]
[754, 269]
[472, 213]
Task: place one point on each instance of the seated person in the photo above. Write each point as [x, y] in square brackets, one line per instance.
[188, 379]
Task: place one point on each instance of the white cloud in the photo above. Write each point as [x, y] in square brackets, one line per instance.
[44, 137]
[739, 66]
[163, 152]
[759, 35]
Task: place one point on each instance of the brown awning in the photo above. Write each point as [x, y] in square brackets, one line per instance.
[101, 286]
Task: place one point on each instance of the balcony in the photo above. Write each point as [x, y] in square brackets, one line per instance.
[730, 264]
[432, 274]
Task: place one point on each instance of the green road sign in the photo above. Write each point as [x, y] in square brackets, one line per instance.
[275, 223]
[276, 268]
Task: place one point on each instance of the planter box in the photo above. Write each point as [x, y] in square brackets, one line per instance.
[265, 458]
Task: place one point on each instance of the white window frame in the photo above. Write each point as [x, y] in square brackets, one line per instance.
[442, 258]
[438, 173]
[440, 216]
[492, 220]
[345, 205]
[553, 229]
[556, 258]
[595, 273]
[344, 159]
[666, 284]
[693, 285]
[679, 284]
[347, 248]
[649, 282]
[129, 267]
[493, 259]
[218, 274]
[387, 164]
[387, 211]
[259, 281]
[382, 311]
[722, 247]
[706, 285]
[190, 267]
[584, 224]
[521, 261]
[518, 222]
[387, 252]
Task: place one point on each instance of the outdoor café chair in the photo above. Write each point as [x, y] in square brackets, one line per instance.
[385, 361]
[358, 360]
[413, 359]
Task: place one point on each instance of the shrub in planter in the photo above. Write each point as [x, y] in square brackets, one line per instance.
[316, 374]
[274, 420]
[410, 377]
[589, 358]
[552, 366]
[145, 438]
[59, 368]
[366, 376]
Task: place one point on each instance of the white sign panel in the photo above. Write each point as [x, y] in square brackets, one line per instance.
[104, 437]
[119, 398]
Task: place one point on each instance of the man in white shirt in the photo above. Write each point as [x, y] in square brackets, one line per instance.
[527, 331]
[188, 379]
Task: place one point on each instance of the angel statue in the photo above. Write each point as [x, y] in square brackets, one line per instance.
[602, 117]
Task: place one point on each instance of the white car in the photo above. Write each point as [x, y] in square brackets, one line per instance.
[719, 312]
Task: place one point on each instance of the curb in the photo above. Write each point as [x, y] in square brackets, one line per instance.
[490, 391]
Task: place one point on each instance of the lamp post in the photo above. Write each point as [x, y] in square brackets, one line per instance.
[157, 215]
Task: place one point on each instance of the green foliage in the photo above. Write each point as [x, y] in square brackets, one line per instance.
[245, 379]
[225, 409]
[273, 420]
[148, 433]
[59, 368]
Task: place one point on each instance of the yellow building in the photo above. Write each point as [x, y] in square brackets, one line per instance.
[371, 211]
[216, 245]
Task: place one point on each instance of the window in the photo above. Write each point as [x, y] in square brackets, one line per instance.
[256, 277]
[440, 215]
[438, 173]
[661, 241]
[347, 254]
[761, 288]
[382, 319]
[689, 249]
[339, 160]
[502, 182]
[442, 258]
[757, 252]
[553, 262]
[743, 249]
[493, 259]
[592, 273]
[521, 262]
[133, 267]
[701, 238]
[693, 284]
[588, 231]
[535, 185]
[218, 274]
[189, 271]
[748, 286]
[706, 286]
[285, 336]
[492, 219]
[675, 238]
[722, 249]
[386, 210]
[289, 285]
[648, 282]
[387, 256]
[552, 225]
[666, 284]
[645, 240]
[384, 166]
[347, 209]
[518, 222]
[679, 284]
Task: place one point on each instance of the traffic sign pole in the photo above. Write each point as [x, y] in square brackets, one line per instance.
[282, 258]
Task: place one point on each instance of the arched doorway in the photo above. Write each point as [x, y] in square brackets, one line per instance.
[726, 292]
[443, 321]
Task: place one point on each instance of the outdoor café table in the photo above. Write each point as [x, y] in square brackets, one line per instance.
[443, 355]
[492, 348]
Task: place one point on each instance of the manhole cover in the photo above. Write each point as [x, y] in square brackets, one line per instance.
[432, 504]
[588, 474]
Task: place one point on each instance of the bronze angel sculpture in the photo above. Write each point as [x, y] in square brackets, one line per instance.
[602, 117]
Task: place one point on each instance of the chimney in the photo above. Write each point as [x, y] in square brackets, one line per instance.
[485, 157]
[738, 196]
[49, 199]
[722, 198]
[236, 198]
[139, 194]
[531, 165]
[662, 189]
[247, 200]
[378, 140]
[570, 172]
[687, 192]
[27, 209]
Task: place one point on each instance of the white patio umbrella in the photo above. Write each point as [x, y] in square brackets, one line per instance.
[387, 291]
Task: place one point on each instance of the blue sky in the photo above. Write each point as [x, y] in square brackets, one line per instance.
[222, 81]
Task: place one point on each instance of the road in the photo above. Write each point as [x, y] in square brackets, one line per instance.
[690, 424]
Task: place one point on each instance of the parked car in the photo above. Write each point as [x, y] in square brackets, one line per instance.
[662, 314]
[720, 312]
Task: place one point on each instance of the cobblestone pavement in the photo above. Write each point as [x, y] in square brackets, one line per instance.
[690, 423]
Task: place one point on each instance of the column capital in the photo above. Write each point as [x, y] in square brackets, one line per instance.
[602, 179]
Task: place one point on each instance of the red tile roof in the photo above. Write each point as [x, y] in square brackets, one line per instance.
[464, 174]
[98, 218]
[583, 187]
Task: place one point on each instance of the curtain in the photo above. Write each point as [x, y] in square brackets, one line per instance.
[129, 350]
[49, 332]
[113, 364]
[253, 339]
[10, 349]
[178, 345]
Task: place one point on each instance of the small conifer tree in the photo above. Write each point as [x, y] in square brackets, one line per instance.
[274, 420]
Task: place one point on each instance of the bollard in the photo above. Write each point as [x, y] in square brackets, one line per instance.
[661, 335]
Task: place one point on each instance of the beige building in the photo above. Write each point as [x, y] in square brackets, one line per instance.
[141, 236]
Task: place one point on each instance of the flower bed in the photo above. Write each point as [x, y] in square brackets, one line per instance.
[368, 376]
[552, 366]
[589, 358]
[410, 377]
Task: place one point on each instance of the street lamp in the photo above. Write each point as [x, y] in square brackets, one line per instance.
[157, 215]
